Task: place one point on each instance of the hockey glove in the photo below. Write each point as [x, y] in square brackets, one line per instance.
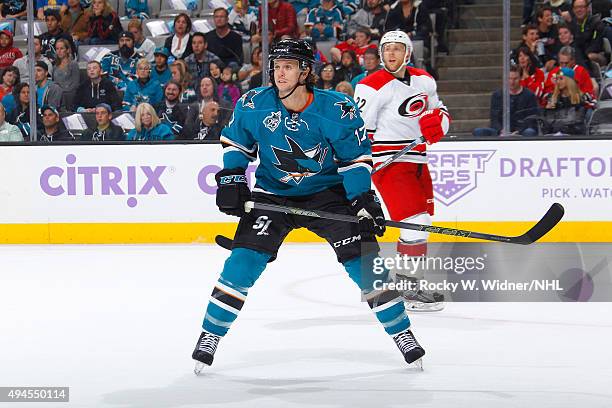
[232, 191]
[430, 123]
[371, 217]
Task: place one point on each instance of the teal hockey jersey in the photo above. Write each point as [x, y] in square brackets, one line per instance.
[300, 153]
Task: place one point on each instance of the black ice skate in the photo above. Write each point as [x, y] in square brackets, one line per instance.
[204, 352]
[410, 348]
[420, 300]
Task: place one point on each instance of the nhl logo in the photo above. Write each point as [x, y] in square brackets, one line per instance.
[454, 173]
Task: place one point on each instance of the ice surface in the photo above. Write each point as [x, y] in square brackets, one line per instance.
[118, 324]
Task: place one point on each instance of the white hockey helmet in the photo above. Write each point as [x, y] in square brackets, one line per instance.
[396, 36]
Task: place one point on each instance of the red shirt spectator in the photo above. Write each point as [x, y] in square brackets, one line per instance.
[8, 53]
[282, 19]
[535, 83]
[581, 75]
[359, 45]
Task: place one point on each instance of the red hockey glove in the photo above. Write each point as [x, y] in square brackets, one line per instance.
[431, 125]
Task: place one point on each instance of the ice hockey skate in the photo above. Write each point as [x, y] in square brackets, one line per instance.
[204, 352]
[410, 348]
[419, 300]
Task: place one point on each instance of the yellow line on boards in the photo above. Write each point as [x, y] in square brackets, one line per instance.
[149, 233]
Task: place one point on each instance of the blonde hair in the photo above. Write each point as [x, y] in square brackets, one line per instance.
[347, 87]
[184, 72]
[143, 62]
[108, 9]
[572, 89]
[135, 23]
[145, 107]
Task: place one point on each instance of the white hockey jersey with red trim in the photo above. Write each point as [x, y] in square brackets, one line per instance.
[391, 109]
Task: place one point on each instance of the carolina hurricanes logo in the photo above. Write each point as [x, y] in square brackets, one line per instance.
[413, 106]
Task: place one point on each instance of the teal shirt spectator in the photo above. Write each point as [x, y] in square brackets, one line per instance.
[162, 77]
[137, 8]
[159, 132]
[137, 92]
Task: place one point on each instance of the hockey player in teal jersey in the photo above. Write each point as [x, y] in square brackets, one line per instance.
[313, 154]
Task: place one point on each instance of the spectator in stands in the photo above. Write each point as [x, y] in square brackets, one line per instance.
[361, 41]
[373, 16]
[410, 18]
[120, 65]
[248, 71]
[349, 68]
[54, 33]
[8, 53]
[104, 24]
[324, 22]
[198, 63]
[282, 21]
[561, 10]
[137, 9]
[204, 126]
[170, 110]
[566, 38]
[587, 31]
[96, 90]
[42, 6]
[47, 92]
[22, 63]
[346, 88]
[148, 126]
[227, 90]
[13, 9]
[532, 77]
[530, 40]
[66, 73]
[207, 94]
[523, 104]
[161, 71]
[75, 20]
[8, 131]
[242, 18]
[215, 70]
[180, 73]
[566, 109]
[327, 77]
[142, 45]
[179, 43]
[9, 77]
[223, 42]
[20, 115]
[302, 7]
[567, 58]
[52, 129]
[547, 34]
[105, 129]
[371, 65]
[143, 89]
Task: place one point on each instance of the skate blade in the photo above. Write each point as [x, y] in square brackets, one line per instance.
[199, 367]
[424, 307]
[419, 364]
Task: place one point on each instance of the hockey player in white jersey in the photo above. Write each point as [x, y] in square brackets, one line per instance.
[399, 104]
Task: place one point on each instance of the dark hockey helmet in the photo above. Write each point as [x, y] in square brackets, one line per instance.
[299, 50]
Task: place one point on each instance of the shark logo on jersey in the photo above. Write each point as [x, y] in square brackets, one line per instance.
[272, 121]
[348, 109]
[294, 122]
[297, 162]
[247, 99]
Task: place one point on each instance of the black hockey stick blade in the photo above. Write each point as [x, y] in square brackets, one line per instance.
[542, 227]
[224, 242]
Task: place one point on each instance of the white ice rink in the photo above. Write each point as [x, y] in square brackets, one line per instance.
[118, 324]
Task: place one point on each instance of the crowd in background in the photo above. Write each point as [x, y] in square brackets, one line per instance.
[186, 87]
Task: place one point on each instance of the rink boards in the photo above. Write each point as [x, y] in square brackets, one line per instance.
[165, 193]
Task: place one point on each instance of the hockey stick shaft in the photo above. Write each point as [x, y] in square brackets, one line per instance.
[399, 154]
[546, 223]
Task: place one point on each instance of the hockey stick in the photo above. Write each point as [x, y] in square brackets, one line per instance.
[541, 228]
[402, 152]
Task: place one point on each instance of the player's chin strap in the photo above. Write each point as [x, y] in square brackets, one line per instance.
[406, 59]
[293, 90]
